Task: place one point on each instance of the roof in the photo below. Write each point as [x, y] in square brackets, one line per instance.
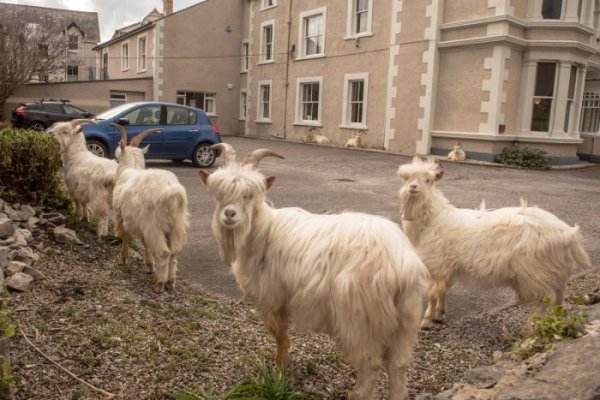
[86, 21]
[148, 19]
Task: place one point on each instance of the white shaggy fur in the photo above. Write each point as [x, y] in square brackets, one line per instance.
[313, 137]
[457, 153]
[89, 178]
[355, 141]
[353, 276]
[150, 204]
[525, 248]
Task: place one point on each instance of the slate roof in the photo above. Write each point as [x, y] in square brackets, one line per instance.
[86, 21]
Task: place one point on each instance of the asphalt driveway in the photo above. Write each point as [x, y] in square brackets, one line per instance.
[329, 179]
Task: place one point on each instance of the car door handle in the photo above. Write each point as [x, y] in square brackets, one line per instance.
[193, 130]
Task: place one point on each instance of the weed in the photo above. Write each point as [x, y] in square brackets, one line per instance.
[559, 323]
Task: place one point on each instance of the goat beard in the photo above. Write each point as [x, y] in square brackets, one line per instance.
[412, 206]
[230, 239]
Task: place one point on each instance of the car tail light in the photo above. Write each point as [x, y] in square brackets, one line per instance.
[215, 129]
[21, 111]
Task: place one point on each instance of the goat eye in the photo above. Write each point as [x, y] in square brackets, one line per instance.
[428, 180]
[247, 197]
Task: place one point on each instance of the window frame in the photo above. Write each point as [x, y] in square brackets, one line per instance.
[562, 10]
[145, 53]
[551, 98]
[571, 95]
[260, 118]
[322, 11]
[263, 44]
[300, 82]
[125, 58]
[347, 102]
[71, 68]
[183, 96]
[245, 56]
[265, 6]
[351, 21]
[70, 43]
[243, 105]
[116, 97]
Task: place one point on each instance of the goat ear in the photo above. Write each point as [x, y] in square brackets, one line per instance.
[145, 149]
[203, 175]
[269, 180]
[440, 172]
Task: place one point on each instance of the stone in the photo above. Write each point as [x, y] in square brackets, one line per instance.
[63, 234]
[35, 273]
[23, 214]
[15, 267]
[55, 218]
[19, 282]
[24, 254]
[32, 223]
[7, 228]
[25, 234]
[4, 252]
[28, 210]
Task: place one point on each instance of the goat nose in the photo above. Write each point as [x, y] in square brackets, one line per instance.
[230, 213]
[413, 186]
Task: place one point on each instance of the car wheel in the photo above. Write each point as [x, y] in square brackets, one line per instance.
[204, 156]
[98, 148]
[37, 126]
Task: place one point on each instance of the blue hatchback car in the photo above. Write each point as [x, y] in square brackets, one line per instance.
[185, 132]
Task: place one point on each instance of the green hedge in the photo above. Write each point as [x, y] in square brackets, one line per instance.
[30, 168]
[525, 157]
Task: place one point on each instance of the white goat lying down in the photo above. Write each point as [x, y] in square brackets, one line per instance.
[89, 178]
[353, 276]
[152, 205]
[525, 248]
[313, 137]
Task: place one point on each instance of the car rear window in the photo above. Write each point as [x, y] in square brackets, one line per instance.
[33, 107]
[180, 116]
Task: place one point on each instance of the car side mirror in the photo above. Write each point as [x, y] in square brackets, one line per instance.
[123, 121]
[86, 114]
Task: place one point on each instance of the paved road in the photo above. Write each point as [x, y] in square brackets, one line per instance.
[327, 179]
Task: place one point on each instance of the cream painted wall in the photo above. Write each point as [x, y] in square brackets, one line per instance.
[460, 10]
[115, 70]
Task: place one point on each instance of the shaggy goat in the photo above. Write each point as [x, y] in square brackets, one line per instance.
[152, 205]
[525, 248]
[89, 178]
[353, 276]
[355, 140]
[312, 137]
[457, 153]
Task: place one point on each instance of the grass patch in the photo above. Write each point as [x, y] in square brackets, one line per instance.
[559, 323]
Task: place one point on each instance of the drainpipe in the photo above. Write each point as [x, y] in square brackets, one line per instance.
[287, 69]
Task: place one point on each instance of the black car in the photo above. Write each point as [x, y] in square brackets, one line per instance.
[41, 114]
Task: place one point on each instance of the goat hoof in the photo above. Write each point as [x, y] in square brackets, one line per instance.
[170, 286]
[439, 320]
[426, 325]
[159, 287]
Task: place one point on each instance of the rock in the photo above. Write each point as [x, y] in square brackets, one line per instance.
[34, 273]
[4, 252]
[1, 204]
[19, 282]
[24, 254]
[7, 228]
[25, 234]
[23, 214]
[28, 210]
[66, 235]
[15, 267]
[55, 218]
[32, 223]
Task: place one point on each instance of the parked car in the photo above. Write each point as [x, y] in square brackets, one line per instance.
[41, 114]
[185, 132]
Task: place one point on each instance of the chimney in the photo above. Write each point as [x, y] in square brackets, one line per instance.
[167, 7]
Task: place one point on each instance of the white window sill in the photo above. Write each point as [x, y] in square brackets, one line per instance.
[267, 8]
[263, 121]
[359, 36]
[141, 71]
[310, 57]
[211, 114]
[347, 126]
[244, 71]
[266, 62]
[242, 119]
[309, 123]
[124, 69]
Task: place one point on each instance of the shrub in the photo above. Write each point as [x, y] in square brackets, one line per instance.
[556, 325]
[525, 157]
[30, 168]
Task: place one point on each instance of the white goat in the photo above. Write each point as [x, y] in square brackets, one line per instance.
[525, 248]
[312, 137]
[353, 276]
[457, 153]
[355, 141]
[89, 178]
[150, 204]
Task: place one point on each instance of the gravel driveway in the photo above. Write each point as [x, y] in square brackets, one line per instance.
[329, 179]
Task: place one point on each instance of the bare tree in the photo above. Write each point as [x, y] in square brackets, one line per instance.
[30, 44]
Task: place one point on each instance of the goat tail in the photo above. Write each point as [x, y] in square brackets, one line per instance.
[174, 201]
[577, 252]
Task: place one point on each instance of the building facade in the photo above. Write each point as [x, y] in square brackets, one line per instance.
[419, 76]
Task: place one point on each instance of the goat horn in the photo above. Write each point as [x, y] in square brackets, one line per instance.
[123, 132]
[80, 121]
[229, 152]
[252, 159]
[137, 139]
